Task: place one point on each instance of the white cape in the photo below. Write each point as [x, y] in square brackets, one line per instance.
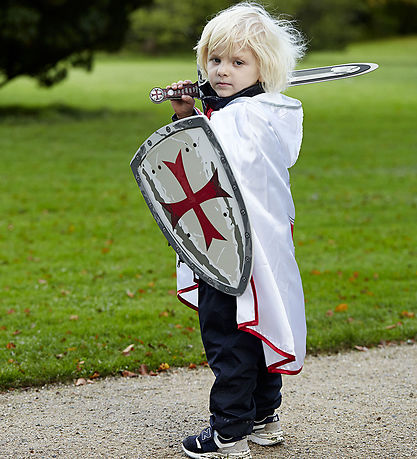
[261, 137]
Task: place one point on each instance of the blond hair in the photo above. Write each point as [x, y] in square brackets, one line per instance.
[276, 44]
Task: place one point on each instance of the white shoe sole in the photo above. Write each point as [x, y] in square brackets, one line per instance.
[217, 455]
[269, 439]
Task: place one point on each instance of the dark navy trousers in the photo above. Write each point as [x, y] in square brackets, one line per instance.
[243, 389]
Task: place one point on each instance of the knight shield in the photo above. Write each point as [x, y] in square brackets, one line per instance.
[188, 185]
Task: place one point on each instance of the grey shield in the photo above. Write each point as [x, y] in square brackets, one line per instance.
[193, 195]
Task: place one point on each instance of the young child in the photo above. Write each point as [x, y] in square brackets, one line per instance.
[246, 57]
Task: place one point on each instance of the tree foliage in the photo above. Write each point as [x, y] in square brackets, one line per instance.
[44, 38]
[168, 26]
[330, 24]
[327, 24]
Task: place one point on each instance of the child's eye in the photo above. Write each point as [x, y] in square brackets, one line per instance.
[216, 60]
[238, 62]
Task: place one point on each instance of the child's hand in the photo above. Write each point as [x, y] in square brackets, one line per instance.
[183, 107]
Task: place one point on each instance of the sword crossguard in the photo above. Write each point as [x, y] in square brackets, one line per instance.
[159, 95]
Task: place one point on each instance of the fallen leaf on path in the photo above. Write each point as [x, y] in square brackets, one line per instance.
[341, 307]
[163, 367]
[128, 350]
[192, 366]
[407, 314]
[129, 374]
[81, 382]
[361, 348]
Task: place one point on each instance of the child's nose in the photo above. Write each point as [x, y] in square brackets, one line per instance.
[223, 69]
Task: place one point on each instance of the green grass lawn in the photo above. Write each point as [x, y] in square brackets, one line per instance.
[85, 272]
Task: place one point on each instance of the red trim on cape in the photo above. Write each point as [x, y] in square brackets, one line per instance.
[254, 322]
[274, 368]
[185, 290]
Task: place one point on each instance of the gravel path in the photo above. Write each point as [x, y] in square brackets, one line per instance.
[352, 405]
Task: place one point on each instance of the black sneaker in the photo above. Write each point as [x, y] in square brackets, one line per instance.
[267, 431]
[209, 444]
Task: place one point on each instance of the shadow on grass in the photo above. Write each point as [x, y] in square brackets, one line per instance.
[56, 113]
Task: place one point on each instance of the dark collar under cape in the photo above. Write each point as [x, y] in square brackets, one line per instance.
[211, 100]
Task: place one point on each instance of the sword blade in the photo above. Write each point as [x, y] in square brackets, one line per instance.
[333, 72]
[298, 77]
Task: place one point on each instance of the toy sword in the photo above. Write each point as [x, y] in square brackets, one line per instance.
[298, 77]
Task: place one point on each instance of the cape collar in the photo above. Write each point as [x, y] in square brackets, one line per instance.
[211, 100]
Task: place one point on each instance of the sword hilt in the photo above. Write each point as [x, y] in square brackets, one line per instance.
[159, 95]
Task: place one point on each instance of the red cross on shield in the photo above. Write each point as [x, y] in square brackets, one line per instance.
[193, 201]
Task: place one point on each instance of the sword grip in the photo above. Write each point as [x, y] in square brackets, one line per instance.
[159, 95]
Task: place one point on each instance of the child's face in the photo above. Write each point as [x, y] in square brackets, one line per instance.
[229, 74]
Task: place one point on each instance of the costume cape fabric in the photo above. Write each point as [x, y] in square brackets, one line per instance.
[261, 136]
